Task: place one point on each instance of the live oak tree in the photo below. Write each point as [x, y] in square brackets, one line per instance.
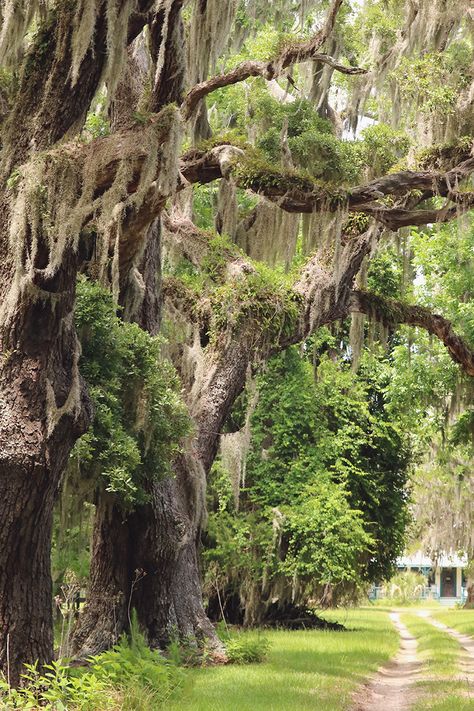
[69, 205]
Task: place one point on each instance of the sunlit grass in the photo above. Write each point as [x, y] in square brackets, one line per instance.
[305, 670]
[459, 619]
[443, 688]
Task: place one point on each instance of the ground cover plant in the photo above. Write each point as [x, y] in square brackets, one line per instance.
[129, 676]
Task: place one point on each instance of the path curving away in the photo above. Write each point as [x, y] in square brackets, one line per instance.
[392, 688]
[465, 640]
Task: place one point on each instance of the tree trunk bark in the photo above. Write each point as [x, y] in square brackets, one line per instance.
[106, 612]
[469, 604]
[168, 598]
[162, 540]
[43, 409]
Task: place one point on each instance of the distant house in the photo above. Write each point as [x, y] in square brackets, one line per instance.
[445, 575]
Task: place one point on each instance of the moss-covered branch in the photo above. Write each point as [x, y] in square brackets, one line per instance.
[393, 312]
[396, 200]
[291, 54]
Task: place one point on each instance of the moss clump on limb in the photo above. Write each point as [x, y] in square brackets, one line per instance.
[182, 292]
[228, 138]
[262, 304]
[445, 156]
[262, 177]
[221, 252]
[256, 174]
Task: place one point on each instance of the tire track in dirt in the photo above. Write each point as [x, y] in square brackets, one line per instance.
[466, 642]
[392, 688]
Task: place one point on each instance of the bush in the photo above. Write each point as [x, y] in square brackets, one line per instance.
[244, 647]
[405, 587]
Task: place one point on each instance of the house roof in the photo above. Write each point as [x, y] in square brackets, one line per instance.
[444, 560]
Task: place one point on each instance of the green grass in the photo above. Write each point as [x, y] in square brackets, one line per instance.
[304, 671]
[459, 619]
[442, 689]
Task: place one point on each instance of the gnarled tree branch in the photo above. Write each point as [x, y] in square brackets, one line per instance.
[296, 194]
[290, 55]
[396, 312]
[267, 70]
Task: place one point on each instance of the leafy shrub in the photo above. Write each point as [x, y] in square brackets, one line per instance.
[245, 647]
[139, 415]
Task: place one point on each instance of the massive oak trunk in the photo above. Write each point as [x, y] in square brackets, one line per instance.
[168, 597]
[470, 593]
[149, 559]
[43, 409]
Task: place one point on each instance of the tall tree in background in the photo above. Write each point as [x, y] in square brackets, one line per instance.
[69, 205]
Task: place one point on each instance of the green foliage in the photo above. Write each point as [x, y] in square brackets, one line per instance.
[139, 416]
[325, 498]
[97, 124]
[433, 81]
[385, 273]
[56, 689]
[382, 147]
[245, 647]
[444, 256]
[129, 676]
[381, 20]
[221, 250]
[326, 537]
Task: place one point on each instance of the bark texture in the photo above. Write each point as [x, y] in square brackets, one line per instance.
[43, 409]
[44, 406]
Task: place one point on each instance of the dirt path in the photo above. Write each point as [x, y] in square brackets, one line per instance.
[392, 688]
[466, 642]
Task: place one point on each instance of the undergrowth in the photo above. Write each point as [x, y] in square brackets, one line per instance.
[130, 677]
[244, 647]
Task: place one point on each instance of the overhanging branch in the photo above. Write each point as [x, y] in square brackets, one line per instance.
[287, 57]
[384, 199]
[267, 70]
[394, 312]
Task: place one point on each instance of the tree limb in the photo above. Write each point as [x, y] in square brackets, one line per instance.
[396, 312]
[35, 123]
[267, 70]
[290, 55]
[295, 193]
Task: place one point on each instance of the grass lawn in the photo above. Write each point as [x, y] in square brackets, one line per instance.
[459, 619]
[305, 670]
[442, 688]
